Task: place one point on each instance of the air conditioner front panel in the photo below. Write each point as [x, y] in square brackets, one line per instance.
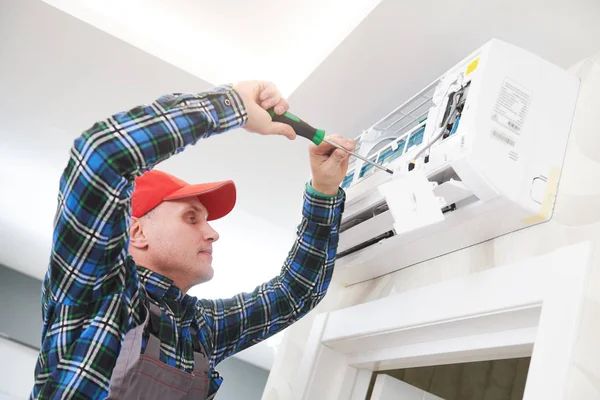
[497, 126]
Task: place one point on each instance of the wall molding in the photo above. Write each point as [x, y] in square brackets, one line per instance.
[529, 308]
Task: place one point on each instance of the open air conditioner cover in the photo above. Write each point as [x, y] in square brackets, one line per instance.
[476, 154]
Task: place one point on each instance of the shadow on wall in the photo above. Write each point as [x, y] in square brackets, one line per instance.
[495, 379]
[241, 380]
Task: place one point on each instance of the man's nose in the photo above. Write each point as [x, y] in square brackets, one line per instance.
[209, 234]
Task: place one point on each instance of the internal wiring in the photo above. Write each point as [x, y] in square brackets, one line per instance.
[430, 141]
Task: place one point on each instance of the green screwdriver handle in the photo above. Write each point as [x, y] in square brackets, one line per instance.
[300, 127]
[317, 136]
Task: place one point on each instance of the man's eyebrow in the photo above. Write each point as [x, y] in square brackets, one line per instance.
[196, 208]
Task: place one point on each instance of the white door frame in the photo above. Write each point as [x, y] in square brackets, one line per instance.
[530, 308]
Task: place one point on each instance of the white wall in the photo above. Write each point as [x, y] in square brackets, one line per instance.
[241, 380]
[23, 323]
[17, 365]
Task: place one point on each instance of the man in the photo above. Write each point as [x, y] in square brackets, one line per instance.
[130, 241]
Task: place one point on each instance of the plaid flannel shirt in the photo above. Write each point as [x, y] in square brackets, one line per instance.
[92, 294]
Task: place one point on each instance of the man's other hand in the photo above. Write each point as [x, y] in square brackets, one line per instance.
[258, 97]
[329, 165]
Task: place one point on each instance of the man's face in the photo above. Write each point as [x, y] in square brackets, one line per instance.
[180, 240]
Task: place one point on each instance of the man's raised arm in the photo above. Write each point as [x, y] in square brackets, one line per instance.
[92, 219]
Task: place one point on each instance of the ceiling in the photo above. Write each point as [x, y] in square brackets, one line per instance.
[344, 65]
[282, 42]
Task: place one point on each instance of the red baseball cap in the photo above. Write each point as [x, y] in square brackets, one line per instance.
[154, 187]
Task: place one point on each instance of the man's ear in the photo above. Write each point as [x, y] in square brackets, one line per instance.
[137, 237]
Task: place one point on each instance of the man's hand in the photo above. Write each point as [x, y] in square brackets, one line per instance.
[329, 165]
[259, 96]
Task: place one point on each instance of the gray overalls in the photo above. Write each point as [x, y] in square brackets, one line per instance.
[145, 377]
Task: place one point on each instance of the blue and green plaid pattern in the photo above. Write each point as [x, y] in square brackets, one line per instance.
[92, 294]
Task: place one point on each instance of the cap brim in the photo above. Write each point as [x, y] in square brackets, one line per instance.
[218, 197]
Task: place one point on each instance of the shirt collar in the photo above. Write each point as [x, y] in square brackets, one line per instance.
[159, 286]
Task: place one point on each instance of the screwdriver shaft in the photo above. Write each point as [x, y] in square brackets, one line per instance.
[381, 167]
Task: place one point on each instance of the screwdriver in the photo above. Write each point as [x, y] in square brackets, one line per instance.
[317, 136]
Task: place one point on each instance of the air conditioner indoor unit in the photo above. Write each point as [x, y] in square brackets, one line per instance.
[476, 154]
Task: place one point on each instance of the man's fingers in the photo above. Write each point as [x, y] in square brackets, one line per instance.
[267, 90]
[269, 96]
[282, 106]
[326, 148]
[349, 144]
[271, 102]
[338, 156]
[278, 128]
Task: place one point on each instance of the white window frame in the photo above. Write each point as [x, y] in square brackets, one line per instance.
[529, 308]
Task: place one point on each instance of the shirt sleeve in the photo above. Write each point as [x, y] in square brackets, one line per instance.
[248, 318]
[91, 225]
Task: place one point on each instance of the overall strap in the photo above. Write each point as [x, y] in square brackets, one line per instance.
[129, 354]
[200, 354]
[153, 345]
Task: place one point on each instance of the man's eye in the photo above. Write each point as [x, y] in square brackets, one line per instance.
[192, 219]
